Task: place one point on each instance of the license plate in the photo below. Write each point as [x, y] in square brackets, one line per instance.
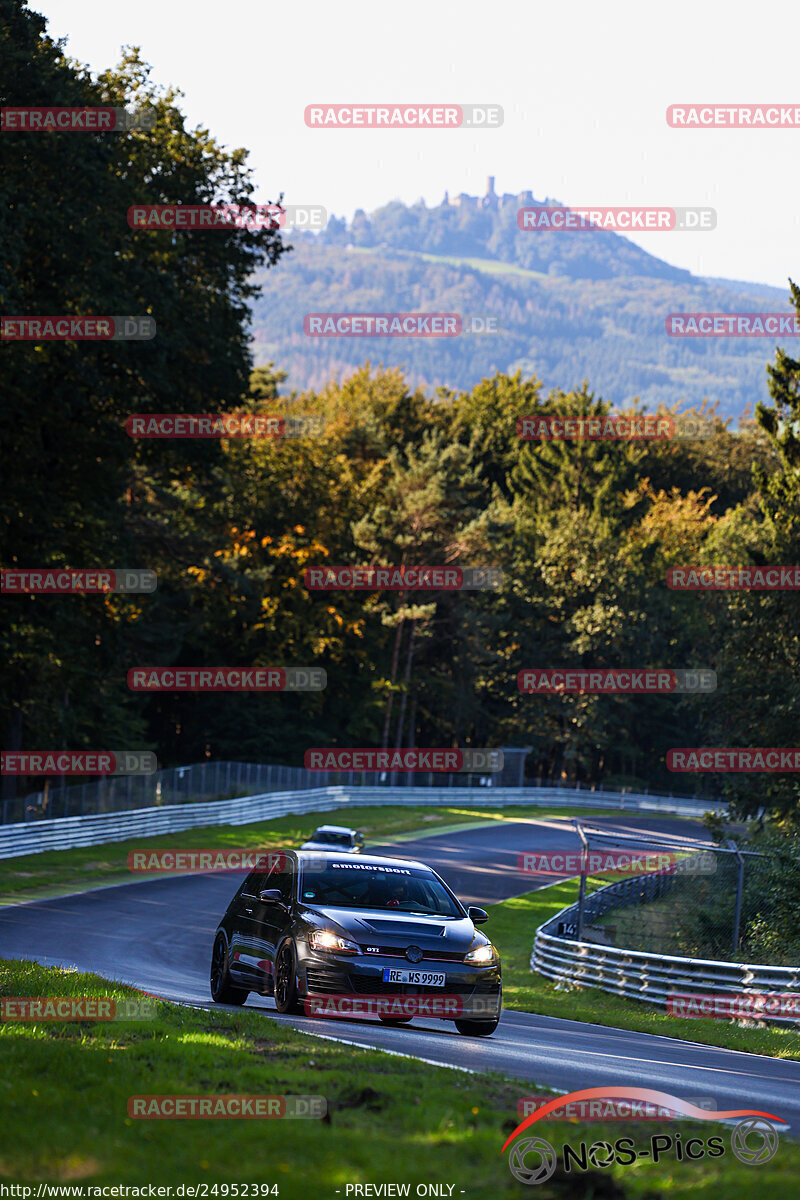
[424, 978]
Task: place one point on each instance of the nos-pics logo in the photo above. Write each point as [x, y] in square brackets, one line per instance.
[534, 1160]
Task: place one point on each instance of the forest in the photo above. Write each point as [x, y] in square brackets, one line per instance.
[384, 473]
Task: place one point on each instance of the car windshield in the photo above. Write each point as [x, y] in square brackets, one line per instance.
[331, 839]
[361, 885]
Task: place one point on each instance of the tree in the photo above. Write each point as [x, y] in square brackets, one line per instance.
[762, 642]
[74, 482]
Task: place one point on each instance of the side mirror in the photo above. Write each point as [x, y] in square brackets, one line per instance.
[477, 915]
[270, 896]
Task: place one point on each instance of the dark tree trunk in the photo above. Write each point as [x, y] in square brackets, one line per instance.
[13, 746]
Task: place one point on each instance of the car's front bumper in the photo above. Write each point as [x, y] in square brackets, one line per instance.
[469, 991]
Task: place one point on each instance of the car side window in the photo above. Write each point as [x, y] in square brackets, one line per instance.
[253, 884]
[282, 877]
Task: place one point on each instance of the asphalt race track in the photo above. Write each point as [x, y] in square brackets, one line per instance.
[134, 933]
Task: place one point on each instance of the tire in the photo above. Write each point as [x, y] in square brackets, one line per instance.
[223, 989]
[477, 1028]
[286, 997]
[395, 1020]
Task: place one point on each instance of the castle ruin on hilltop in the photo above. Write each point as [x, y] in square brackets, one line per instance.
[491, 200]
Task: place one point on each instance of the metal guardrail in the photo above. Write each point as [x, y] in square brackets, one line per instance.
[218, 780]
[224, 780]
[640, 975]
[63, 833]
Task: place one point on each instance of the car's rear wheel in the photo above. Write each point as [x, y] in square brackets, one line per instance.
[286, 997]
[223, 989]
[395, 1020]
[477, 1028]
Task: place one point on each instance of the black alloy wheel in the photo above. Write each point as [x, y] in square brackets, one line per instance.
[286, 997]
[223, 989]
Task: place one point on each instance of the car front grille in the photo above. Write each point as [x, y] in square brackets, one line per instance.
[428, 956]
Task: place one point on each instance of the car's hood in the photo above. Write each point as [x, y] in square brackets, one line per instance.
[384, 928]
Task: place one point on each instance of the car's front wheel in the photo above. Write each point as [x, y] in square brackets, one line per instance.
[477, 1028]
[286, 997]
[223, 989]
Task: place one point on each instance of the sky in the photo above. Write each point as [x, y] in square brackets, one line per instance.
[584, 89]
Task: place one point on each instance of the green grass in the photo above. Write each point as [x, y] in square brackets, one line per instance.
[511, 927]
[57, 872]
[489, 266]
[64, 1090]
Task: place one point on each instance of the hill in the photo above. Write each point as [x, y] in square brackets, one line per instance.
[570, 306]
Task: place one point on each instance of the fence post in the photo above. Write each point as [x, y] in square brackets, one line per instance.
[582, 884]
[737, 913]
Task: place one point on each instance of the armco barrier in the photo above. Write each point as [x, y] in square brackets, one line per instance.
[643, 976]
[33, 837]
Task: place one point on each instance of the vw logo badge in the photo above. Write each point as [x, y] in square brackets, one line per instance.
[543, 1169]
[414, 954]
[765, 1135]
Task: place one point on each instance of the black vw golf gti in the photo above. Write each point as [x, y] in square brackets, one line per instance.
[320, 925]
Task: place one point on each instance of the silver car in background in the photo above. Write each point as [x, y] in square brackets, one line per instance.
[337, 838]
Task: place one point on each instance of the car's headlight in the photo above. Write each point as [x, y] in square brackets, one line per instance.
[481, 955]
[324, 939]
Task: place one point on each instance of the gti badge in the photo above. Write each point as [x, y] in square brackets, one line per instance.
[413, 954]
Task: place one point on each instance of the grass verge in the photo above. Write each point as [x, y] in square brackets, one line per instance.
[65, 1087]
[511, 927]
